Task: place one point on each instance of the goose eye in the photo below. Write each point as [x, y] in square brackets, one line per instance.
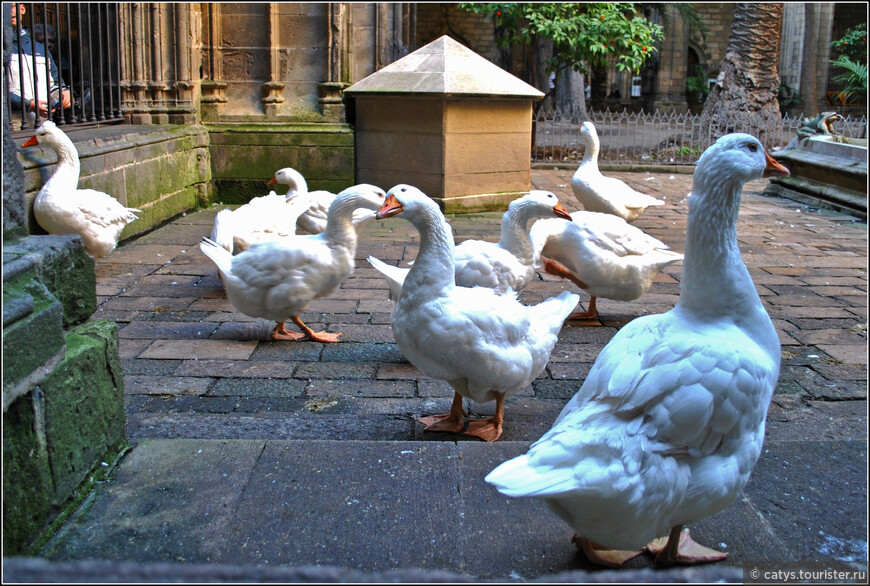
[753, 147]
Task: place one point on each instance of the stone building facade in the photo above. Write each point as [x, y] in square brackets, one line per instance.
[258, 86]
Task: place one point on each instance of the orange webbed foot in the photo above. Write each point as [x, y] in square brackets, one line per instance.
[281, 333]
[680, 548]
[604, 556]
[486, 429]
[446, 422]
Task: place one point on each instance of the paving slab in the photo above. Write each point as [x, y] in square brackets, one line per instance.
[375, 506]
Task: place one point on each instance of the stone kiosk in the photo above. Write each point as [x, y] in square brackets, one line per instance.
[448, 121]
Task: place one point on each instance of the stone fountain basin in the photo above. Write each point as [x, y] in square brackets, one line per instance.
[839, 146]
[826, 171]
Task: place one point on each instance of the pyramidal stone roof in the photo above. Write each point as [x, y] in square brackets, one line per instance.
[444, 66]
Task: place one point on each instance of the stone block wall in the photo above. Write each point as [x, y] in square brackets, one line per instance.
[245, 157]
[434, 20]
[161, 170]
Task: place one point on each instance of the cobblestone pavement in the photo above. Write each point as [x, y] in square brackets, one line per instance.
[196, 368]
[242, 453]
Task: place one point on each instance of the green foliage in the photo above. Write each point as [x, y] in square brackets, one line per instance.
[787, 96]
[853, 80]
[583, 34]
[698, 83]
[853, 45]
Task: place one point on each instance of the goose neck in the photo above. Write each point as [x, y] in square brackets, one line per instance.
[68, 165]
[590, 153]
[515, 236]
[715, 280]
[339, 223]
[433, 269]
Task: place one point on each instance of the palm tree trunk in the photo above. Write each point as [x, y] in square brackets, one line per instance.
[748, 79]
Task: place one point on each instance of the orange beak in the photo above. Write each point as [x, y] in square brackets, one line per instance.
[390, 208]
[32, 141]
[561, 212]
[271, 182]
[774, 168]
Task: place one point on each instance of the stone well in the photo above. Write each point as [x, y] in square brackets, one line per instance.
[449, 122]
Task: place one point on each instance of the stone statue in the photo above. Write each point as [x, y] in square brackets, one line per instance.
[818, 126]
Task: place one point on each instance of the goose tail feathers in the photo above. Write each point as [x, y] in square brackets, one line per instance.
[219, 255]
[221, 232]
[394, 276]
[555, 310]
[518, 478]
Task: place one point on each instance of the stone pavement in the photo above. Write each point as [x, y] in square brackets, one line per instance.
[299, 461]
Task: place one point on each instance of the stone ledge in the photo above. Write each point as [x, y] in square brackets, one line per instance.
[62, 265]
[21, 569]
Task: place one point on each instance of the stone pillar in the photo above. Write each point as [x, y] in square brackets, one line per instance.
[133, 37]
[157, 85]
[273, 89]
[338, 34]
[213, 88]
[823, 64]
[671, 88]
[183, 111]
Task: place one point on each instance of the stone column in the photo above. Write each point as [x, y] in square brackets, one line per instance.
[274, 88]
[214, 88]
[671, 88]
[823, 64]
[157, 86]
[338, 34]
[183, 111]
[133, 40]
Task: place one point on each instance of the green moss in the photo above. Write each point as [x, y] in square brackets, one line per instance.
[27, 487]
[100, 474]
[84, 404]
[70, 277]
[34, 339]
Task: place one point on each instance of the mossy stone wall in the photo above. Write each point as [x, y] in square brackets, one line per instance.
[245, 156]
[161, 170]
[63, 385]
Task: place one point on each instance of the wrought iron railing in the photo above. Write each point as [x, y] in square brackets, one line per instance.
[658, 138]
[65, 64]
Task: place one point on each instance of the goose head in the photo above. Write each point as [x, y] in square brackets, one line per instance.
[290, 177]
[736, 158]
[46, 134]
[588, 132]
[404, 197]
[545, 203]
[362, 195]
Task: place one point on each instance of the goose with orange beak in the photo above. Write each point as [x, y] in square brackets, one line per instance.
[485, 345]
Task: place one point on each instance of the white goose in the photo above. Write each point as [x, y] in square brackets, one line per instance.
[264, 218]
[61, 207]
[598, 193]
[276, 280]
[670, 420]
[313, 220]
[505, 266]
[485, 345]
[602, 254]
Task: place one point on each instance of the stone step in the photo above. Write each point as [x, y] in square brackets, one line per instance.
[391, 506]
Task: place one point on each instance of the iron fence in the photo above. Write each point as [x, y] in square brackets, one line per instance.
[638, 138]
[64, 64]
